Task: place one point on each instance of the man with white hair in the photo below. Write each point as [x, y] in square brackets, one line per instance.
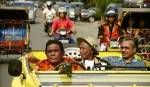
[109, 29]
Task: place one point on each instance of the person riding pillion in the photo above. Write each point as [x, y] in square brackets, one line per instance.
[109, 29]
[63, 23]
[48, 12]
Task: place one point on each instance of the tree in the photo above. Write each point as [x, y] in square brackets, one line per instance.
[101, 5]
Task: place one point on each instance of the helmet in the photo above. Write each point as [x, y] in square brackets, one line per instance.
[49, 4]
[111, 13]
[62, 9]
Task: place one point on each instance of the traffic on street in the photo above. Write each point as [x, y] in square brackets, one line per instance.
[38, 39]
[49, 43]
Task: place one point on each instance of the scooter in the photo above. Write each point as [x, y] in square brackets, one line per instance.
[113, 44]
[63, 35]
[49, 21]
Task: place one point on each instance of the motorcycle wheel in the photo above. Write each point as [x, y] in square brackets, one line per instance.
[48, 30]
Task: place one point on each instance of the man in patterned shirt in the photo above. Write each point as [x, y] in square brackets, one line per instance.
[54, 51]
[128, 49]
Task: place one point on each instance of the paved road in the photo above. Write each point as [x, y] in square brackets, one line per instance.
[39, 39]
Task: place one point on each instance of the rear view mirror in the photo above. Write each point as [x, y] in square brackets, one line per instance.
[15, 67]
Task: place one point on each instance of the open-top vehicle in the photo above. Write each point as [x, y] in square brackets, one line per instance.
[14, 29]
[25, 76]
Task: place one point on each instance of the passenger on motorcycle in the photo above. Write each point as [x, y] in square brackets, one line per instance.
[48, 16]
[109, 30]
[63, 23]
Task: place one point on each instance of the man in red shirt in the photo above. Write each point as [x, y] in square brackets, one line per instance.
[63, 23]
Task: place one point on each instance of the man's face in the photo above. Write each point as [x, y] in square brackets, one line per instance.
[127, 49]
[85, 50]
[54, 54]
[62, 15]
[111, 19]
[49, 7]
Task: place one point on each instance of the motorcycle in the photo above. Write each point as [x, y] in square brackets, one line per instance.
[63, 36]
[49, 21]
[113, 44]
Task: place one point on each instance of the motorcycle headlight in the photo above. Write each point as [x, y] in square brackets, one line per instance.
[31, 15]
[63, 32]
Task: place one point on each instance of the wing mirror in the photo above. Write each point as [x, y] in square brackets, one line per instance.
[15, 68]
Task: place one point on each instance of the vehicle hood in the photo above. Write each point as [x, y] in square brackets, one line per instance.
[84, 11]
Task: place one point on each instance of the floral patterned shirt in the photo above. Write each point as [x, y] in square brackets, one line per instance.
[45, 65]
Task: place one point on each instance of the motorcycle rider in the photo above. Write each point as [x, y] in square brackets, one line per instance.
[109, 29]
[63, 23]
[48, 15]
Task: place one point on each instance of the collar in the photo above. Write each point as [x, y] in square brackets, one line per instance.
[133, 60]
[95, 61]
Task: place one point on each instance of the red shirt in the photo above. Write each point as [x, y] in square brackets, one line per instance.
[62, 24]
[45, 65]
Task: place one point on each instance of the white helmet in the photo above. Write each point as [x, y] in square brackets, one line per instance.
[49, 4]
[62, 9]
[111, 13]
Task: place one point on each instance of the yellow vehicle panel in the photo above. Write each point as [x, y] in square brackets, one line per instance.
[92, 78]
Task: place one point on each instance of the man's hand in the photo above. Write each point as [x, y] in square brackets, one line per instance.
[101, 36]
[33, 60]
[106, 44]
[50, 34]
[74, 32]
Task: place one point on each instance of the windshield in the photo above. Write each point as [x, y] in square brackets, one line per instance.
[89, 9]
[23, 4]
[62, 5]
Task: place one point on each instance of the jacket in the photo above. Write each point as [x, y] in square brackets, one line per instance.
[115, 33]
